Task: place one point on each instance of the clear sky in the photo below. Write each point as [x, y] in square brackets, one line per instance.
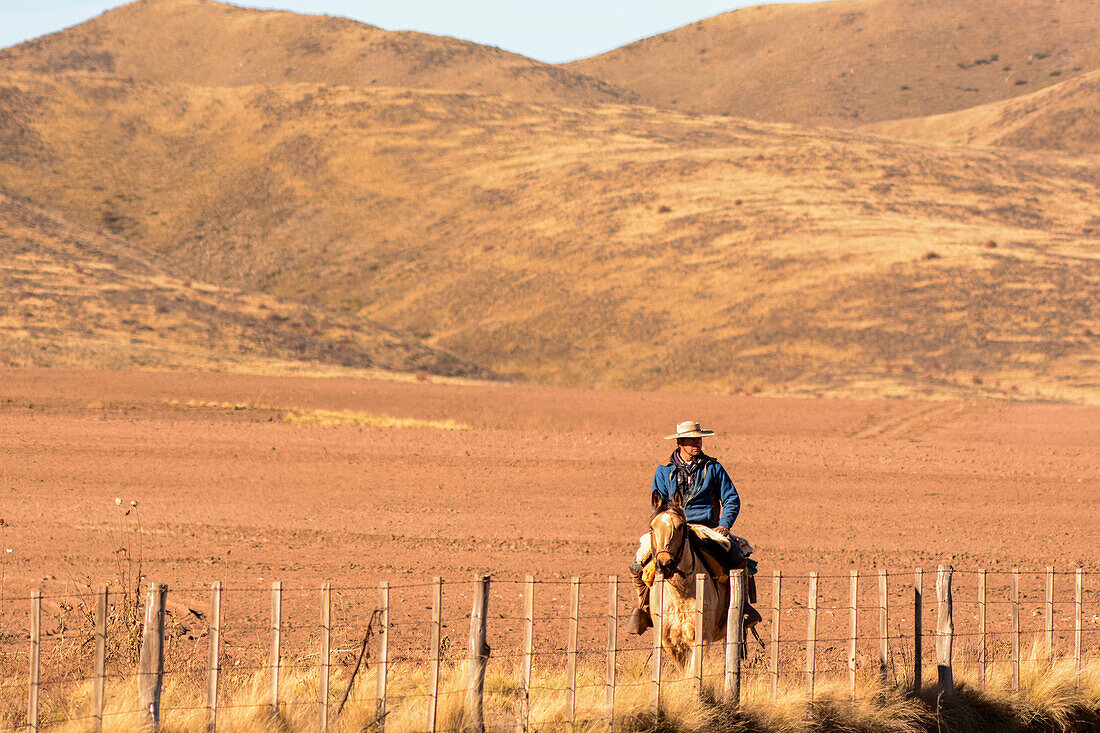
[556, 31]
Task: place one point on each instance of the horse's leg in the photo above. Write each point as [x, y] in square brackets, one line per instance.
[682, 656]
[672, 642]
[711, 630]
[678, 634]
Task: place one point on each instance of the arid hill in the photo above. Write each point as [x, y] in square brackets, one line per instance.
[77, 298]
[618, 246]
[1065, 116]
[209, 43]
[853, 62]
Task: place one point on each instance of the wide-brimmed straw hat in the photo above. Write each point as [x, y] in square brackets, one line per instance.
[689, 429]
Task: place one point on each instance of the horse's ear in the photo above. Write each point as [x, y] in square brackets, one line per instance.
[678, 499]
[657, 500]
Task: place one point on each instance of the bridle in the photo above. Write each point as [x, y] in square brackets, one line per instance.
[679, 554]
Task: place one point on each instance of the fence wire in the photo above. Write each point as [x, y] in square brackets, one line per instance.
[550, 642]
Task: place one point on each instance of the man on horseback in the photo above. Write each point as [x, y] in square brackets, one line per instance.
[709, 499]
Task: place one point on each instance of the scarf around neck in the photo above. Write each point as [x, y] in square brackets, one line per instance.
[685, 472]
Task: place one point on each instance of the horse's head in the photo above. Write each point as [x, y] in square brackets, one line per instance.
[668, 530]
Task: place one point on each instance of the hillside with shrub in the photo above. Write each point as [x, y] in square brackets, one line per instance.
[613, 246]
[1065, 116]
[79, 298]
[854, 62]
[207, 43]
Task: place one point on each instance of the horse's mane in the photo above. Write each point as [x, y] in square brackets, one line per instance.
[669, 506]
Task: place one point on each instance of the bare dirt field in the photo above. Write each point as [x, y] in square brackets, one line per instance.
[553, 482]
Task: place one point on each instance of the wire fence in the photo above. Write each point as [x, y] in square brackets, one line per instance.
[508, 652]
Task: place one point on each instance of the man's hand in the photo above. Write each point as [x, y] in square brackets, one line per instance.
[724, 531]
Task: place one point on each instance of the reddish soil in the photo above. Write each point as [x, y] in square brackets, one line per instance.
[553, 482]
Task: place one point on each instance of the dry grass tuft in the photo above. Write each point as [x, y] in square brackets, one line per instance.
[310, 416]
[347, 417]
[1051, 698]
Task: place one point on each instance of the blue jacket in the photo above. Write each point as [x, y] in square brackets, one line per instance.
[714, 501]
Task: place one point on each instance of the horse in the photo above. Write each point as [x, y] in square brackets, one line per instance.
[672, 543]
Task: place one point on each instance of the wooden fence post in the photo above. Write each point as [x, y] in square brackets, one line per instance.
[983, 645]
[657, 608]
[735, 629]
[151, 660]
[35, 657]
[326, 656]
[528, 646]
[98, 698]
[213, 663]
[383, 654]
[276, 638]
[883, 625]
[853, 631]
[1015, 630]
[918, 630]
[777, 587]
[612, 644]
[479, 654]
[571, 653]
[434, 660]
[811, 638]
[697, 642]
[1077, 626]
[1050, 616]
[945, 630]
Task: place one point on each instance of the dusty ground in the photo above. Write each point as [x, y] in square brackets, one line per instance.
[553, 482]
